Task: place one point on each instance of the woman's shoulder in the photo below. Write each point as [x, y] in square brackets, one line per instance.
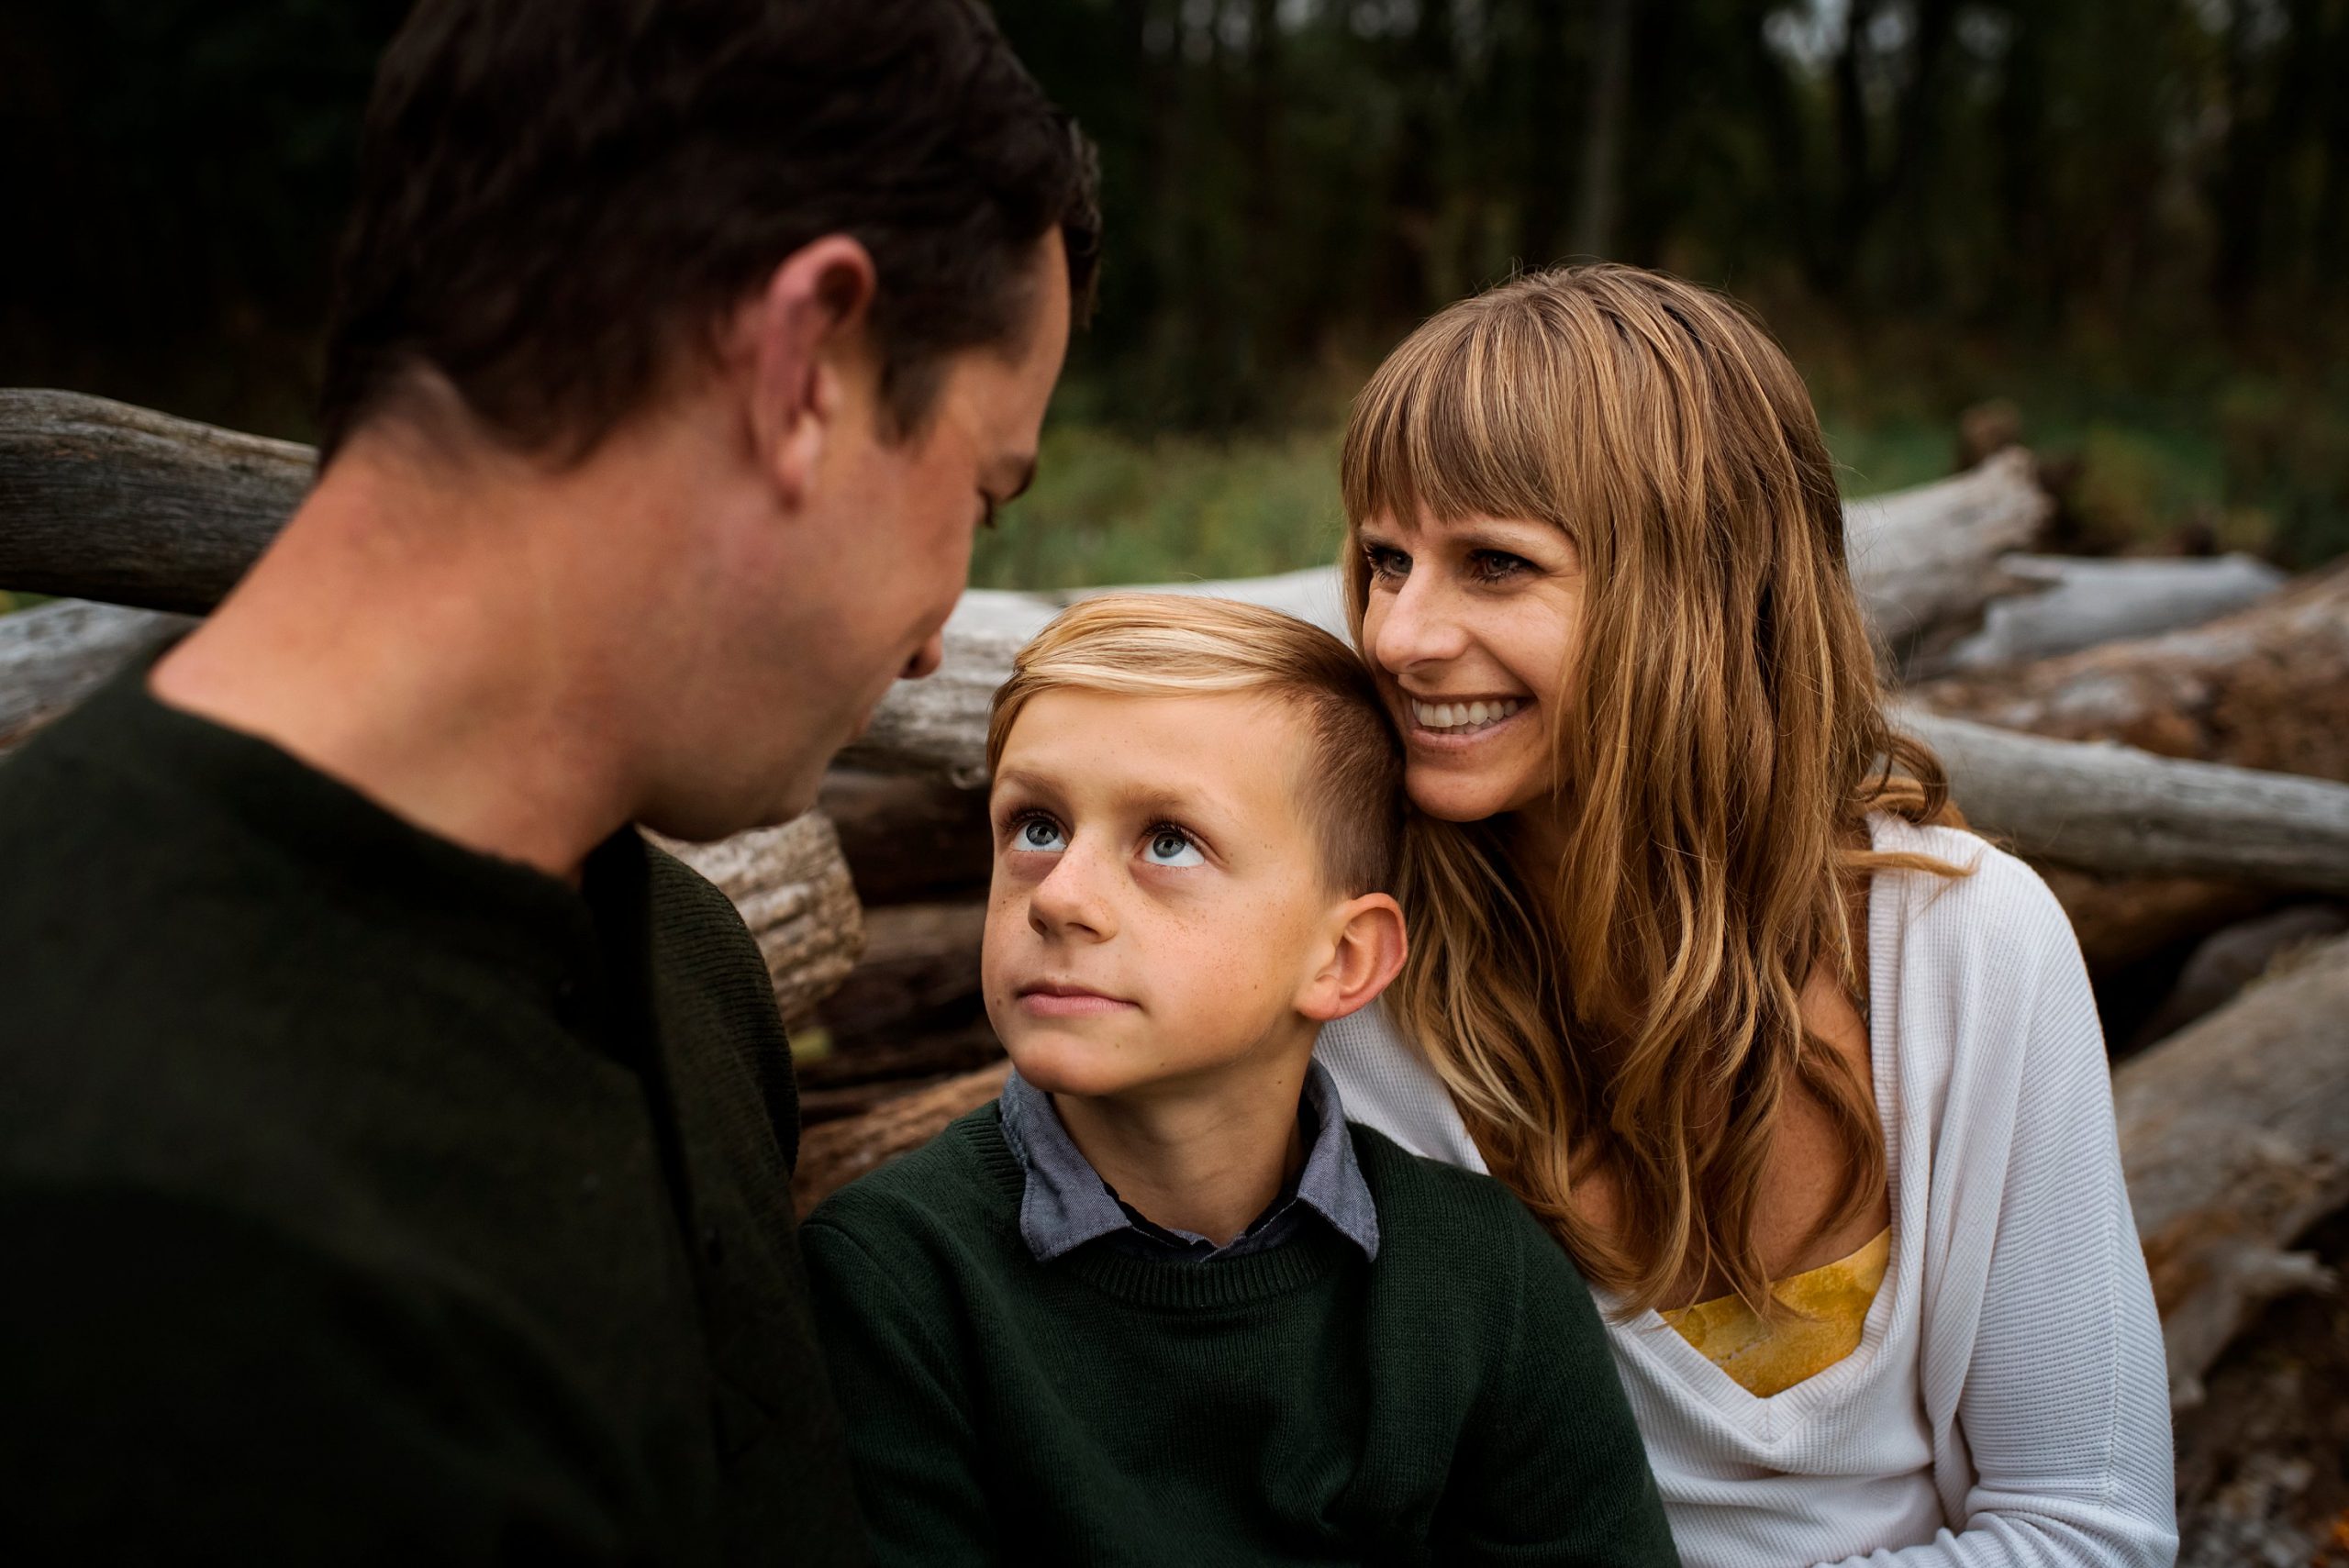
[1384, 1083]
[1994, 902]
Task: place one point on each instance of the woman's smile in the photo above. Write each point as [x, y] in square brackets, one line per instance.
[1459, 725]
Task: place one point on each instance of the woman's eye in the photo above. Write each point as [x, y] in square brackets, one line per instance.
[1493, 564]
[1385, 561]
[1041, 833]
[1169, 848]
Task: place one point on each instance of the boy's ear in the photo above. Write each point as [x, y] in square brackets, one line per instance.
[792, 333]
[1366, 957]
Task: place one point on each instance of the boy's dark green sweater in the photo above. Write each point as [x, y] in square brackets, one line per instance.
[1453, 1402]
[367, 1200]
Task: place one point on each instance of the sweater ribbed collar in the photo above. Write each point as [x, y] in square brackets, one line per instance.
[1171, 1283]
[1064, 1203]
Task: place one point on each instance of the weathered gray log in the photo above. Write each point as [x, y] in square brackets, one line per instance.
[2235, 1134]
[908, 840]
[1312, 595]
[2232, 958]
[793, 890]
[106, 501]
[836, 1153]
[2113, 808]
[2267, 687]
[2121, 920]
[2083, 603]
[102, 500]
[53, 655]
[1925, 562]
[920, 961]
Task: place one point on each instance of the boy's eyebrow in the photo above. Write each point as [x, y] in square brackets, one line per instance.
[1149, 800]
[1017, 778]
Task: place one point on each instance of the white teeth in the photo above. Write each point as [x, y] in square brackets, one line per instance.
[1462, 715]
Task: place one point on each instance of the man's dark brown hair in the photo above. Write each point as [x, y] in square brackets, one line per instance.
[557, 197]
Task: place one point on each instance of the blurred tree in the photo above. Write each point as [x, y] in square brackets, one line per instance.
[1290, 184]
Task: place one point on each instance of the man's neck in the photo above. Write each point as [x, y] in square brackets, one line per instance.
[1207, 1156]
[412, 635]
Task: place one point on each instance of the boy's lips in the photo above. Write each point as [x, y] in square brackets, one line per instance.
[1062, 999]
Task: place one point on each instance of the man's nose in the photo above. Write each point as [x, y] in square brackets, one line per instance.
[926, 658]
[1072, 900]
[1420, 626]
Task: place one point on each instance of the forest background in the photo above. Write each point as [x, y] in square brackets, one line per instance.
[2119, 226]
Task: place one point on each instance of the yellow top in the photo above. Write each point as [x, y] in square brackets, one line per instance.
[1827, 1308]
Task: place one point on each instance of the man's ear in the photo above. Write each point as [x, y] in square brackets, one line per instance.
[792, 334]
[1365, 957]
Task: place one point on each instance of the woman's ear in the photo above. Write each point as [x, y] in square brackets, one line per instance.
[791, 335]
[1364, 959]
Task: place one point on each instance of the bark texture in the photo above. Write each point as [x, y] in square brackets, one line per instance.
[793, 890]
[53, 655]
[2265, 687]
[2234, 1133]
[102, 500]
[2075, 604]
[836, 1153]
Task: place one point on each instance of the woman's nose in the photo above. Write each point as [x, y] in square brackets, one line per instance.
[1072, 901]
[1419, 624]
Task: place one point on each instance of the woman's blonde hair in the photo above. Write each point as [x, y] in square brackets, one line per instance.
[1721, 740]
[1350, 779]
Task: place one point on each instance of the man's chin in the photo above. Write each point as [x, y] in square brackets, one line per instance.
[706, 821]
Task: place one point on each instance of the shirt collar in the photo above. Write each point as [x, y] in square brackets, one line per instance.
[1065, 1203]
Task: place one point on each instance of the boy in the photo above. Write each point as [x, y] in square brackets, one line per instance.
[1161, 1303]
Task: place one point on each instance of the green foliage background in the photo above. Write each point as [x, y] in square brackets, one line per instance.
[2130, 219]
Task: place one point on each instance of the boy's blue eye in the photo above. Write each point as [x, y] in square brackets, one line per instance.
[1168, 847]
[1039, 833]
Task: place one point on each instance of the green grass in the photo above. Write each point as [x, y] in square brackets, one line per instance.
[2241, 461]
[1108, 507]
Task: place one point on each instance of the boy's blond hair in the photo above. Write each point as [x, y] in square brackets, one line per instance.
[1170, 645]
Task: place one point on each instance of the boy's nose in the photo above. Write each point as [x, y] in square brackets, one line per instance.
[1071, 902]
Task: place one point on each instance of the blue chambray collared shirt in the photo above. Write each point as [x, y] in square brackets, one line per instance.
[1066, 1203]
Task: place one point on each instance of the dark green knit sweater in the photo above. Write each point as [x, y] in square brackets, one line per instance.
[366, 1200]
[1451, 1403]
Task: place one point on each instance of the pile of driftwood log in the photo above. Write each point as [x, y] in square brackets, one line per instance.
[2166, 740]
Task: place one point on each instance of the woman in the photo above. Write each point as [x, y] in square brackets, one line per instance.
[1807, 1078]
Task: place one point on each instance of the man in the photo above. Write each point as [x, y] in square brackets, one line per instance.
[394, 1148]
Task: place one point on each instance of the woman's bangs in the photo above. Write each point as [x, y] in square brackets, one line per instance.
[1453, 426]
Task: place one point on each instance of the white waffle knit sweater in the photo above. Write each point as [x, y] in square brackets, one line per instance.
[2008, 1402]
